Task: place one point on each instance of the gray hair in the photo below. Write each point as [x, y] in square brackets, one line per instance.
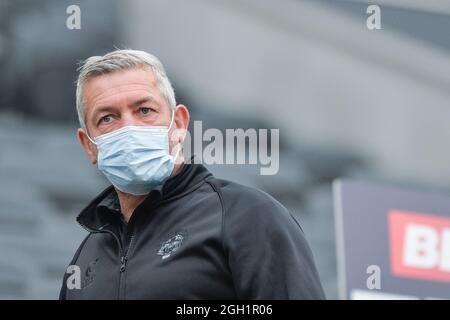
[121, 60]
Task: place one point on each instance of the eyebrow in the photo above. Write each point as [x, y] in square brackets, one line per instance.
[143, 100]
[102, 109]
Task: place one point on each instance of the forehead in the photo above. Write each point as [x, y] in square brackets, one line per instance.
[113, 87]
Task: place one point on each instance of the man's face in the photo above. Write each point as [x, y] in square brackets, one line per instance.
[124, 98]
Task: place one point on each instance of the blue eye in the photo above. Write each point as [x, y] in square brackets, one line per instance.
[144, 110]
[106, 118]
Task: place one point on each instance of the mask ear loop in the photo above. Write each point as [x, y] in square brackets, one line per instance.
[178, 144]
[171, 121]
[177, 153]
[90, 139]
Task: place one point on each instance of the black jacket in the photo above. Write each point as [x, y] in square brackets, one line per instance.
[194, 237]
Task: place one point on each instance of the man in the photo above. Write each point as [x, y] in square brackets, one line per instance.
[166, 229]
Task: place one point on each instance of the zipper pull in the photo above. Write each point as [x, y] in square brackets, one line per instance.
[123, 263]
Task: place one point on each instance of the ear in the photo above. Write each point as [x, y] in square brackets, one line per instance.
[181, 123]
[88, 146]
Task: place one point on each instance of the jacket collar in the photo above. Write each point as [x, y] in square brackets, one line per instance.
[184, 181]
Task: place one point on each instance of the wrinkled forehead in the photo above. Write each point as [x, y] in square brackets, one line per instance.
[120, 83]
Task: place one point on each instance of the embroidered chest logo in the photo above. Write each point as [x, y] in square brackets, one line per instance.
[172, 244]
[90, 273]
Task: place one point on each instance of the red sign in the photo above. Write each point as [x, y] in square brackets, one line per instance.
[420, 245]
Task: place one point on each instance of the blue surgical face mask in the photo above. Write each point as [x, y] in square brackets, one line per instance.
[136, 159]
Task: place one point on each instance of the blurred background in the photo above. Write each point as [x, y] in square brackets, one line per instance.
[348, 101]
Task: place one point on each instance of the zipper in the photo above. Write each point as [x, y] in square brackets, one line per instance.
[123, 266]
[122, 255]
[123, 263]
[105, 231]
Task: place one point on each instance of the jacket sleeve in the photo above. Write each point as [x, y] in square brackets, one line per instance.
[268, 254]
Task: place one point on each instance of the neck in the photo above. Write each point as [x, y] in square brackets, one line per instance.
[129, 202]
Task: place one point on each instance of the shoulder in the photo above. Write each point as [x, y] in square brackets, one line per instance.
[247, 204]
[80, 248]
